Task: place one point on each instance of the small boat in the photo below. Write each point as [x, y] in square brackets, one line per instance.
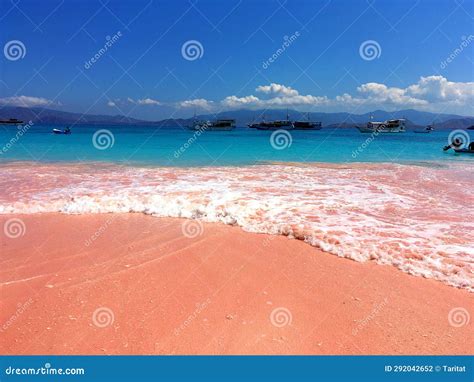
[307, 124]
[273, 125]
[390, 126]
[217, 125]
[460, 147]
[11, 121]
[66, 131]
[426, 130]
[464, 151]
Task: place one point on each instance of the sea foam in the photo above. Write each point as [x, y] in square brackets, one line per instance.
[417, 218]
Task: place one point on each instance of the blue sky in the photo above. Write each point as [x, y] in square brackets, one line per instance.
[423, 56]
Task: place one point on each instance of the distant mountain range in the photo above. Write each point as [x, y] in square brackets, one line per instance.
[414, 118]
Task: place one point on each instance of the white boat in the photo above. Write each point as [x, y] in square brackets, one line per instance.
[66, 131]
[426, 130]
[389, 126]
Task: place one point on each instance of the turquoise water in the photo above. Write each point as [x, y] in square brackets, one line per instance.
[161, 146]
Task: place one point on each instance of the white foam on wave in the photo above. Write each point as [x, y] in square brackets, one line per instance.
[416, 218]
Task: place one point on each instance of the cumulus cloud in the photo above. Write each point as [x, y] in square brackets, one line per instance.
[428, 93]
[277, 89]
[439, 89]
[200, 103]
[234, 101]
[379, 93]
[26, 101]
[111, 104]
[277, 96]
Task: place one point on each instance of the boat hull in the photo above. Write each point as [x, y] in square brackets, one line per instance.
[226, 128]
[218, 125]
[10, 123]
[275, 128]
[365, 129]
[61, 132]
[308, 128]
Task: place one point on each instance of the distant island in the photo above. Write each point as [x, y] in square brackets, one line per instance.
[414, 118]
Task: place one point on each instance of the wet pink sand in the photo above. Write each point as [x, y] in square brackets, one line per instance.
[135, 284]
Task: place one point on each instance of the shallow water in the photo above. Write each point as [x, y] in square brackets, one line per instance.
[152, 146]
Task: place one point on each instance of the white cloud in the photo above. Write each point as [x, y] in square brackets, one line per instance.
[248, 101]
[143, 101]
[279, 96]
[429, 93]
[433, 93]
[277, 89]
[148, 101]
[200, 103]
[379, 93]
[26, 101]
[439, 89]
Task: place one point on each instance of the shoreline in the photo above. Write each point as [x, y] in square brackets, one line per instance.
[451, 160]
[147, 285]
[362, 212]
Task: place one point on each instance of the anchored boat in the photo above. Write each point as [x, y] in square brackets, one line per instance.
[286, 124]
[11, 121]
[460, 147]
[307, 125]
[65, 131]
[389, 126]
[272, 125]
[426, 130]
[217, 125]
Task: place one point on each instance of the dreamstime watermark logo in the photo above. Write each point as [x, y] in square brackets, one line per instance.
[362, 324]
[103, 317]
[459, 138]
[281, 139]
[190, 141]
[21, 131]
[14, 50]
[458, 317]
[192, 50]
[44, 370]
[199, 308]
[14, 228]
[192, 228]
[287, 41]
[21, 307]
[97, 233]
[103, 139]
[370, 50]
[109, 42]
[466, 41]
[281, 317]
[364, 145]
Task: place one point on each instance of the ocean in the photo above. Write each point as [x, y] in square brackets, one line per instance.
[151, 146]
[395, 199]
